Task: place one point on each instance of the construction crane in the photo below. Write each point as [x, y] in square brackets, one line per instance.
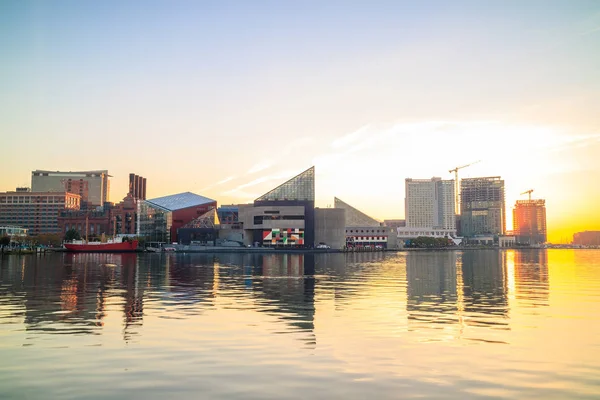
[528, 192]
[456, 187]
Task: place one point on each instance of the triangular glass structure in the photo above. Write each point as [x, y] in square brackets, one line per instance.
[299, 188]
[209, 220]
[354, 217]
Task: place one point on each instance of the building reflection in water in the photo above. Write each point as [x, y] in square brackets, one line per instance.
[530, 275]
[60, 294]
[456, 290]
[74, 293]
[284, 285]
[485, 287]
[432, 287]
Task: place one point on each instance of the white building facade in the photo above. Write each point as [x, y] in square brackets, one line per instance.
[429, 209]
[429, 203]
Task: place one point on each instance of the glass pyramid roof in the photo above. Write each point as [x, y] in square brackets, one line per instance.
[178, 201]
[209, 219]
[301, 187]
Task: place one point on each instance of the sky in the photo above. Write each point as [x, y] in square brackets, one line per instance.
[228, 99]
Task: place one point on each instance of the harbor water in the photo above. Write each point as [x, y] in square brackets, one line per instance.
[447, 324]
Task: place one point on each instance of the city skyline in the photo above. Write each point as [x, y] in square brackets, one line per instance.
[221, 99]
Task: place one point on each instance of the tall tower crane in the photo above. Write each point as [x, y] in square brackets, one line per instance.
[456, 186]
[528, 192]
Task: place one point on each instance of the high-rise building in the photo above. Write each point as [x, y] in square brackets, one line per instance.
[36, 211]
[529, 221]
[98, 184]
[482, 206]
[429, 203]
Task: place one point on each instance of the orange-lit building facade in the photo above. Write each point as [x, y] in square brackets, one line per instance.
[529, 221]
[80, 187]
[587, 238]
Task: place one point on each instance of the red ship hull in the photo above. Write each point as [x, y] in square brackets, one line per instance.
[124, 247]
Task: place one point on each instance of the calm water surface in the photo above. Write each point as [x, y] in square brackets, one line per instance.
[476, 324]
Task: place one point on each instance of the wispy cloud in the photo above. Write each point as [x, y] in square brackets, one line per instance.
[229, 178]
[350, 138]
[221, 182]
[280, 176]
[261, 166]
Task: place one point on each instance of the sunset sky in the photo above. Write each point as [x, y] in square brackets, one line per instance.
[230, 98]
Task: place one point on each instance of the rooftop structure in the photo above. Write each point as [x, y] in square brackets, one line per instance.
[209, 219]
[179, 201]
[137, 187]
[300, 188]
[160, 218]
[355, 217]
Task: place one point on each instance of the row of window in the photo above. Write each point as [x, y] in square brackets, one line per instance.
[423, 233]
[370, 238]
[258, 219]
[367, 231]
[31, 200]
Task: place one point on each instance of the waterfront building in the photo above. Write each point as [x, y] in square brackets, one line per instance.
[203, 230]
[430, 203]
[429, 209]
[36, 211]
[482, 206]
[284, 216]
[587, 238]
[110, 219]
[11, 230]
[330, 227]
[405, 233]
[507, 240]
[529, 221]
[364, 231]
[97, 188]
[160, 218]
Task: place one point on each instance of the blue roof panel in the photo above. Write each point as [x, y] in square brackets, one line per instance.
[181, 200]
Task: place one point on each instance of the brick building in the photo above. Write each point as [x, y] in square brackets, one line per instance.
[112, 219]
[36, 211]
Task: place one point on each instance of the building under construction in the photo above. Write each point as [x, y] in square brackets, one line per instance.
[529, 221]
[482, 206]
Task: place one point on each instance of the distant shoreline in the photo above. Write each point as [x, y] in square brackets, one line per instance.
[261, 250]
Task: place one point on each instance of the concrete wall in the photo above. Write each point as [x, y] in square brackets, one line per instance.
[330, 227]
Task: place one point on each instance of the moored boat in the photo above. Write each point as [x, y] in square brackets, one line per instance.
[116, 245]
